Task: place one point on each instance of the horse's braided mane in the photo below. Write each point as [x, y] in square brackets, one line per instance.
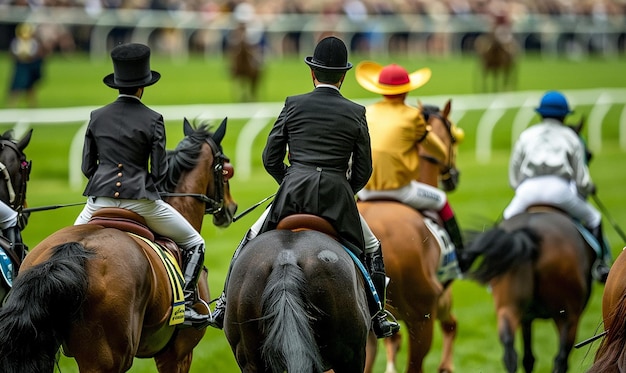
[185, 156]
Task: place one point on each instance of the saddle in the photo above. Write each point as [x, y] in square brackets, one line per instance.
[130, 221]
[300, 222]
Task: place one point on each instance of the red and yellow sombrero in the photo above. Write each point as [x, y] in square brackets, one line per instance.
[391, 79]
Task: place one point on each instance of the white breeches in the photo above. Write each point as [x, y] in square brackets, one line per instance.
[553, 191]
[160, 216]
[8, 216]
[417, 195]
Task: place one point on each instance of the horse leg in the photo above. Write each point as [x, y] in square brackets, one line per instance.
[507, 325]
[420, 341]
[567, 335]
[371, 349]
[392, 346]
[528, 361]
[168, 361]
[448, 324]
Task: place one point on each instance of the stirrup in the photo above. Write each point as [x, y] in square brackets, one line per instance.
[217, 316]
[383, 327]
[600, 271]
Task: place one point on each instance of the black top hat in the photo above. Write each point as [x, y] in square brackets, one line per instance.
[131, 66]
[330, 54]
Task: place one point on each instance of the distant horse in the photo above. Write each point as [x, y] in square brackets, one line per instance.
[611, 355]
[497, 57]
[15, 169]
[296, 302]
[106, 295]
[245, 64]
[538, 266]
[412, 255]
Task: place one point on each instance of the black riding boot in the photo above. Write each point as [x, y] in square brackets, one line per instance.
[217, 317]
[191, 274]
[380, 324]
[600, 268]
[14, 235]
[452, 227]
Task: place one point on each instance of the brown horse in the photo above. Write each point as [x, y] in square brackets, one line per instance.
[412, 256]
[296, 302]
[15, 171]
[497, 57]
[102, 293]
[246, 63]
[538, 266]
[611, 355]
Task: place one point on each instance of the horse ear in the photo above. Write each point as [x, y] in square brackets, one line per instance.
[23, 143]
[420, 105]
[187, 128]
[447, 108]
[219, 134]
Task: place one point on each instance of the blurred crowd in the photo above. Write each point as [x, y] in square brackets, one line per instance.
[356, 8]
[259, 14]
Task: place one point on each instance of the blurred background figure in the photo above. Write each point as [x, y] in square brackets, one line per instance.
[28, 55]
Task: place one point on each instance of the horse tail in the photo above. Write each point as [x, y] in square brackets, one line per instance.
[39, 309]
[290, 343]
[494, 252]
[611, 355]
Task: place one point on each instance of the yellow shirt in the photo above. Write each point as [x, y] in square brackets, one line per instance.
[395, 131]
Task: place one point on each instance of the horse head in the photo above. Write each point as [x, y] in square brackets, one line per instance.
[451, 135]
[189, 176]
[15, 169]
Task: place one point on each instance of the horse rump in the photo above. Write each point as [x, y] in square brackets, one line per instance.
[39, 309]
[493, 252]
[290, 343]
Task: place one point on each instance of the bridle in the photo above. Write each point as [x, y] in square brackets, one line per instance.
[17, 193]
[213, 205]
[448, 172]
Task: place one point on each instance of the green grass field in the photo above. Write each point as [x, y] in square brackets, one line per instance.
[482, 194]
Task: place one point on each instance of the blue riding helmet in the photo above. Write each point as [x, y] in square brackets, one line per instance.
[553, 104]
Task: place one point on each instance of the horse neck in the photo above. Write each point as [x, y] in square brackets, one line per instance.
[195, 181]
[428, 172]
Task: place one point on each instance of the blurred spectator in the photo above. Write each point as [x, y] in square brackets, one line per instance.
[28, 55]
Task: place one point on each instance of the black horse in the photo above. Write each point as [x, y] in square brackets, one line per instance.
[296, 303]
[15, 169]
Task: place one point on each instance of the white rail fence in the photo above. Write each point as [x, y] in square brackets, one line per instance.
[492, 108]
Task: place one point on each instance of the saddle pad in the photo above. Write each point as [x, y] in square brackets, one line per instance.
[175, 276]
[6, 267]
[448, 263]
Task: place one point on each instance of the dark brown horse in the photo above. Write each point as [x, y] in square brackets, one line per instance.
[497, 59]
[538, 266]
[611, 355]
[245, 63]
[15, 170]
[102, 293]
[412, 256]
[296, 302]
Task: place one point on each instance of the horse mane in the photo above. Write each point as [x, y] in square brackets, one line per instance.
[610, 356]
[185, 156]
